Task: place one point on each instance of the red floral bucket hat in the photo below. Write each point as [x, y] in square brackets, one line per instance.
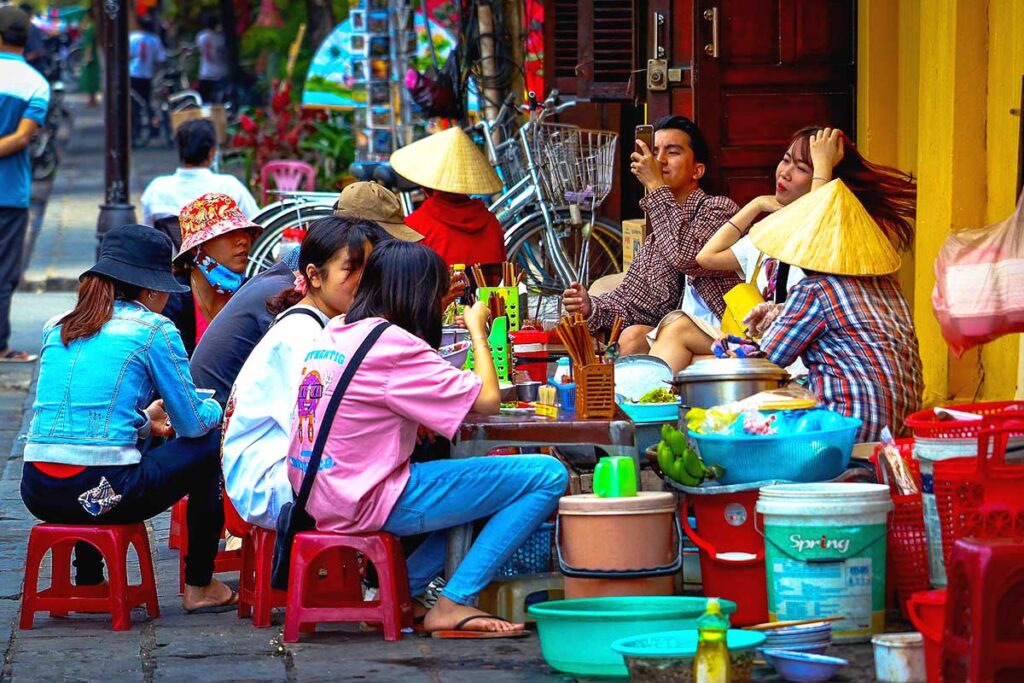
[212, 215]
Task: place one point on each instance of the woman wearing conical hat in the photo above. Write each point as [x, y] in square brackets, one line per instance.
[847, 319]
[815, 155]
[451, 168]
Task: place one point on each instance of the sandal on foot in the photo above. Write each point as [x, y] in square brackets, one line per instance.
[229, 606]
[461, 632]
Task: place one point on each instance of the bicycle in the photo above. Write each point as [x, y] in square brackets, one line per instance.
[547, 169]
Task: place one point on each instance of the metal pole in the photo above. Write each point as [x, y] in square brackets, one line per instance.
[116, 209]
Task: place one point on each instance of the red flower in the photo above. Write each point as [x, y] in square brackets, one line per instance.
[248, 125]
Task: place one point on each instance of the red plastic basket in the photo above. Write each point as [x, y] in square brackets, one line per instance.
[926, 425]
[979, 496]
[907, 544]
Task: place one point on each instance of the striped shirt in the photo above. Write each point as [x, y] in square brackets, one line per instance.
[24, 94]
[856, 336]
[652, 286]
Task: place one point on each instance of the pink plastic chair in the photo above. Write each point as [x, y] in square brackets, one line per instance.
[289, 175]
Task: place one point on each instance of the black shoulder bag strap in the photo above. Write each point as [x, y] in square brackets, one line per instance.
[682, 276]
[293, 517]
[781, 282]
[295, 310]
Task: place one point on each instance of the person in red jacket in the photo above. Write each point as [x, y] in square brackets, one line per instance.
[450, 168]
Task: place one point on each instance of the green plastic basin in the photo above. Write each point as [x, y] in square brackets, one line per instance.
[576, 636]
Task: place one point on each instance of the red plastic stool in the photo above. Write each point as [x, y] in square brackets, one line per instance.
[255, 596]
[225, 561]
[927, 612]
[308, 606]
[118, 598]
[984, 633]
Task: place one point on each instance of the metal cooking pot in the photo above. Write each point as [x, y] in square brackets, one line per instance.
[715, 381]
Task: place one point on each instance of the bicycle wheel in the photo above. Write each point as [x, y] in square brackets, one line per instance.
[528, 247]
[265, 251]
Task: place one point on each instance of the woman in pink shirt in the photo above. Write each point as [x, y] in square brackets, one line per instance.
[365, 481]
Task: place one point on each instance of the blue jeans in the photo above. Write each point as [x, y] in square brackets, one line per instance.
[517, 492]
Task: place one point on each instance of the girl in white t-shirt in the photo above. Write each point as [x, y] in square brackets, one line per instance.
[259, 412]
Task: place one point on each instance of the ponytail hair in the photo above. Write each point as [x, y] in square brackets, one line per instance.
[95, 306]
[326, 238]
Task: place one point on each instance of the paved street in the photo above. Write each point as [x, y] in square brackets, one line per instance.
[180, 647]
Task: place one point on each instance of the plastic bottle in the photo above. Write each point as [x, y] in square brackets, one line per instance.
[712, 663]
[563, 373]
[460, 269]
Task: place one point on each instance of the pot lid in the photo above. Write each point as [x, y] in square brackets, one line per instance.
[730, 368]
[643, 502]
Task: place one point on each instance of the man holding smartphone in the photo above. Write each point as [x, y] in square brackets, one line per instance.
[665, 275]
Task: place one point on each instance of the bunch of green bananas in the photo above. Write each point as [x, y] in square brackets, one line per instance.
[681, 463]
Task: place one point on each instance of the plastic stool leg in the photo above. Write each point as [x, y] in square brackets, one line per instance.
[30, 587]
[117, 565]
[296, 596]
[148, 587]
[395, 603]
[60, 572]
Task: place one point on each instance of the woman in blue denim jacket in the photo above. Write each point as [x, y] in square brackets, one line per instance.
[87, 460]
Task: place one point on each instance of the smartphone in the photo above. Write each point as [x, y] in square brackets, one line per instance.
[646, 134]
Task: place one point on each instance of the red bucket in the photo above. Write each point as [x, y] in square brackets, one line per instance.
[726, 523]
[927, 611]
[531, 352]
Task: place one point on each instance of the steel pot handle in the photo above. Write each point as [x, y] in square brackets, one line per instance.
[663, 570]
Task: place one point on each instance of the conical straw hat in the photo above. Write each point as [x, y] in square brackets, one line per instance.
[828, 231]
[447, 161]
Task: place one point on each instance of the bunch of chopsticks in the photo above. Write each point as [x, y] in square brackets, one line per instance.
[511, 276]
[496, 303]
[575, 336]
[616, 330]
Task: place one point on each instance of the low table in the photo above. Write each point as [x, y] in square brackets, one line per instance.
[482, 433]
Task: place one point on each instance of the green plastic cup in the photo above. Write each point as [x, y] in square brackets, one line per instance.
[615, 477]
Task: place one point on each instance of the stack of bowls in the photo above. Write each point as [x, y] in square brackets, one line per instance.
[810, 638]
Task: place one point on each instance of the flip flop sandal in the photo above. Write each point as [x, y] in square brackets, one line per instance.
[230, 606]
[13, 356]
[460, 632]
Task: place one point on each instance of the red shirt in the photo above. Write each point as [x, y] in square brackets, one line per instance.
[460, 230]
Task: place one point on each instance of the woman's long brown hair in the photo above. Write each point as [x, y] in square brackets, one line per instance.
[95, 306]
[888, 194]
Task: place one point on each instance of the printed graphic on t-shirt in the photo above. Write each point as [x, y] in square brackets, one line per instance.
[311, 390]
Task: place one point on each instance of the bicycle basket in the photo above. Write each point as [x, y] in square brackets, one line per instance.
[577, 164]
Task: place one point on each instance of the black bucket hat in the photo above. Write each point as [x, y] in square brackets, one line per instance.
[138, 255]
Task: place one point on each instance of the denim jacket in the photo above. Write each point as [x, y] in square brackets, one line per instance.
[92, 394]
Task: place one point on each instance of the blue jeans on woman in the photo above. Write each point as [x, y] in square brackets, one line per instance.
[518, 493]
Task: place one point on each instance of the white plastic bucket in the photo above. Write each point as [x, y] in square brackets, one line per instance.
[899, 658]
[825, 554]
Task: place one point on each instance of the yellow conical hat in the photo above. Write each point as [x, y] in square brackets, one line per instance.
[828, 231]
[447, 161]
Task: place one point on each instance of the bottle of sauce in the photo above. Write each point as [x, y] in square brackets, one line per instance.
[712, 663]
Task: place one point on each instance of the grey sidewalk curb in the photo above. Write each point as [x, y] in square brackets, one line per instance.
[18, 445]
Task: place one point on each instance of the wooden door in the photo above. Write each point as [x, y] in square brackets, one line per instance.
[774, 67]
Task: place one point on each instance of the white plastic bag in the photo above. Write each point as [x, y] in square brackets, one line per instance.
[979, 283]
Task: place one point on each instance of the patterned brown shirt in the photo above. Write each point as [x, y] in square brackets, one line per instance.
[651, 287]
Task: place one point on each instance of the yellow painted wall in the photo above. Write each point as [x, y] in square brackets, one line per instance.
[936, 81]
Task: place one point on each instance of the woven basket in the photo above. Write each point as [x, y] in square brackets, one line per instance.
[595, 391]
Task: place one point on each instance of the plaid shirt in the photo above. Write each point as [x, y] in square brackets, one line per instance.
[856, 336]
[651, 287]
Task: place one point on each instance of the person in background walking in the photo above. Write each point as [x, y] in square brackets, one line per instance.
[89, 78]
[24, 100]
[213, 62]
[146, 53]
[35, 47]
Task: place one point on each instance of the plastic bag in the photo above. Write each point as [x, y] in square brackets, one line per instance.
[979, 283]
[438, 92]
